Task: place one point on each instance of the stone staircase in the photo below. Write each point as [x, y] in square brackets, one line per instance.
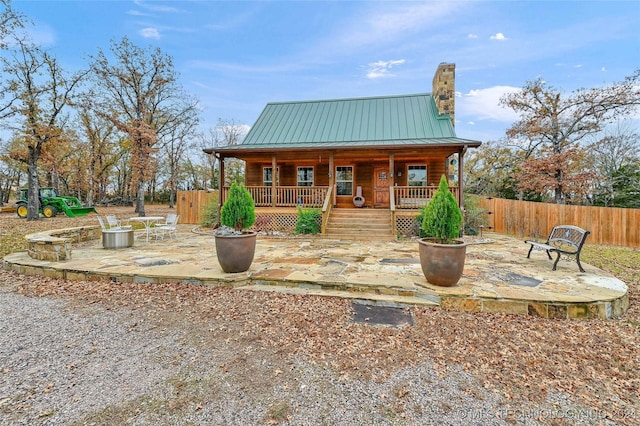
[360, 224]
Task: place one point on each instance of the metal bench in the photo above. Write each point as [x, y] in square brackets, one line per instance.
[563, 240]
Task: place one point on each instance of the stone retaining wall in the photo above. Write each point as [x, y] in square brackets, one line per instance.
[55, 245]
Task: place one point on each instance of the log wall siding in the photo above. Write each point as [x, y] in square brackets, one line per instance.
[363, 178]
[288, 173]
[363, 174]
[321, 174]
[253, 173]
[435, 170]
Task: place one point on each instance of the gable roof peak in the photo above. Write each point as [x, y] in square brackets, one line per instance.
[361, 98]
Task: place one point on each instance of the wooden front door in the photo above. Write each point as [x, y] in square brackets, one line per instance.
[381, 187]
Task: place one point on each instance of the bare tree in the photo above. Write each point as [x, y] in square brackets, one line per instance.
[617, 147]
[11, 171]
[10, 21]
[37, 92]
[178, 142]
[489, 169]
[553, 123]
[226, 132]
[211, 138]
[139, 93]
[196, 175]
[102, 150]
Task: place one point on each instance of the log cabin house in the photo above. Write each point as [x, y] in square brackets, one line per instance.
[368, 163]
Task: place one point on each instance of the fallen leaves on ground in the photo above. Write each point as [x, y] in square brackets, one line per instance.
[521, 358]
[524, 359]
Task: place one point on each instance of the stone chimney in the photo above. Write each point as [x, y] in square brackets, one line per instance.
[444, 88]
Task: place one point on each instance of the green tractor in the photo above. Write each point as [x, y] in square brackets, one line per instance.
[51, 204]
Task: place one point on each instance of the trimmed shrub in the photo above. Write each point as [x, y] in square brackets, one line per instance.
[309, 221]
[239, 210]
[442, 216]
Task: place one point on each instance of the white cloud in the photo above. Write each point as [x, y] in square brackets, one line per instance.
[385, 24]
[234, 68]
[136, 13]
[603, 69]
[498, 36]
[41, 34]
[149, 33]
[157, 7]
[382, 68]
[484, 104]
[472, 36]
[408, 17]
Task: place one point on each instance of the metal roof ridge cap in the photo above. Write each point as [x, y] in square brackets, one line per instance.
[350, 99]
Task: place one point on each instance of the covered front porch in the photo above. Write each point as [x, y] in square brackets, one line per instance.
[399, 181]
[384, 178]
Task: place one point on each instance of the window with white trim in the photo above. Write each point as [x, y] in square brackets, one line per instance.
[305, 176]
[344, 180]
[267, 176]
[417, 175]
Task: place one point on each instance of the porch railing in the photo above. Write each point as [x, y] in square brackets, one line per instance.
[415, 197]
[326, 210]
[286, 196]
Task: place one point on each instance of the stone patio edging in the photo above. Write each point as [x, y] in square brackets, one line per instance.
[388, 295]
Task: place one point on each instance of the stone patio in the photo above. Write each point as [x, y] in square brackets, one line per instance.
[498, 277]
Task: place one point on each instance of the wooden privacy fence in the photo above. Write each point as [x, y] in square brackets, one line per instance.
[608, 225]
[189, 204]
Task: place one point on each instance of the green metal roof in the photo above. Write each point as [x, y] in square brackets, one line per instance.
[356, 122]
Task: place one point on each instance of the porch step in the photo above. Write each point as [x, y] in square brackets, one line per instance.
[359, 224]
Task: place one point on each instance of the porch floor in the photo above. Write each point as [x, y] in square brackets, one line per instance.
[498, 277]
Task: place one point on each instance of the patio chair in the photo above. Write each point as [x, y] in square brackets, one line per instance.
[114, 223]
[168, 227]
[102, 225]
[169, 220]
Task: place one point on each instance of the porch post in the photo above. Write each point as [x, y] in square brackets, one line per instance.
[221, 184]
[392, 201]
[332, 179]
[392, 172]
[460, 177]
[274, 180]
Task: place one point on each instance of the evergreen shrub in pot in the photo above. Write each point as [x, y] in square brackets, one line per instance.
[442, 252]
[235, 243]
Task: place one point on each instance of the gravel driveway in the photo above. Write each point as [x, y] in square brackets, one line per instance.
[65, 364]
[76, 360]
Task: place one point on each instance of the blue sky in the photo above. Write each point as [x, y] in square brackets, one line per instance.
[236, 56]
